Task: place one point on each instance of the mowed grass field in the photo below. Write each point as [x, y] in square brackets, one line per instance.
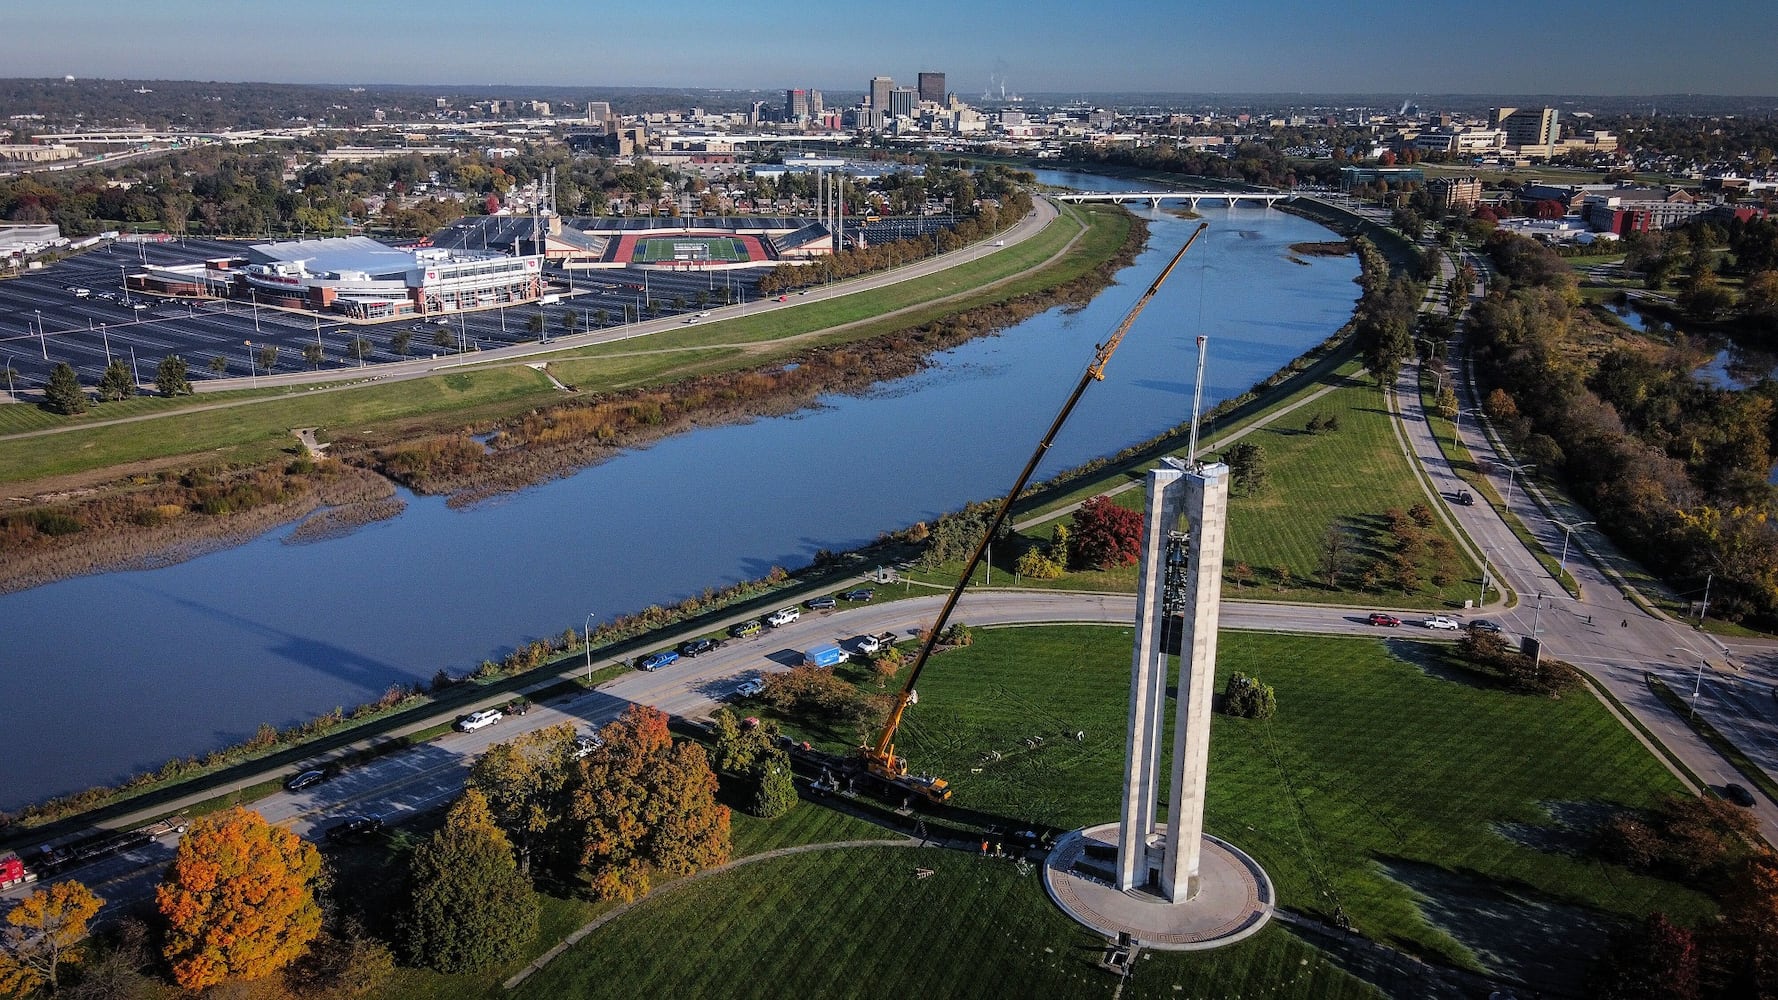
[1346, 478]
[669, 248]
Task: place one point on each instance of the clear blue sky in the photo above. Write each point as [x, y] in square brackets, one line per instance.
[1218, 46]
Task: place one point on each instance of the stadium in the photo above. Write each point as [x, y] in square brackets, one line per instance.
[357, 277]
[658, 243]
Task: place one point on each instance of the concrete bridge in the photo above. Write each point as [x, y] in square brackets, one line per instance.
[1154, 198]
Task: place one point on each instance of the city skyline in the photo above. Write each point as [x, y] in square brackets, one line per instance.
[1215, 46]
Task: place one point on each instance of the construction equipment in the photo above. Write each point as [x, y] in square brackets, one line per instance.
[881, 760]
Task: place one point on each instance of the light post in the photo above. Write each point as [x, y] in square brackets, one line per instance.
[252, 370]
[1567, 531]
[589, 647]
[1482, 598]
[255, 293]
[1697, 685]
[1511, 471]
[1537, 643]
[106, 336]
[41, 343]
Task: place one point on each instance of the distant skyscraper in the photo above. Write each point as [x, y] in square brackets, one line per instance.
[932, 87]
[1528, 128]
[901, 102]
[797, 106]
[880, 86]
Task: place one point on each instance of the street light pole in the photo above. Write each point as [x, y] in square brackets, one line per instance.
[1511, 471]
[589, 647]
[1567, 530]
[1697, 685]
[41, 343]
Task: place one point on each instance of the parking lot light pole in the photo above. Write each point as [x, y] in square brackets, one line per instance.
[252, 369]
[41, 343]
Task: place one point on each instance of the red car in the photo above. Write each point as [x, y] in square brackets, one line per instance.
[1379, 618]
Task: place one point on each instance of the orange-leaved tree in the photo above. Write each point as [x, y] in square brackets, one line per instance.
[42, 934]
[239, 899]
[646, 807]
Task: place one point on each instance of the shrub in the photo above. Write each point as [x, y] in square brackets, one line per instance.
[1248, 698]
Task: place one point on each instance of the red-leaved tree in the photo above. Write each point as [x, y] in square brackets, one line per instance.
[1104, 535]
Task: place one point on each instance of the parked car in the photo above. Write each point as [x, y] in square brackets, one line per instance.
[1442, 623]
[746, 630]
[1738, 795]
[860, 595]
[659, 660]
[1483, 625]
[479, 720]
[307, 779]
[693, 647]
[825, 603]
[867, 644]
[749, 687]
[355, 828]
[783, 617]
[1379, 618]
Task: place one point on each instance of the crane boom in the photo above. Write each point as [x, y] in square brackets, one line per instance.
[881, 759]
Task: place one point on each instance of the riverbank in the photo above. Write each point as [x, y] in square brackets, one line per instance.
[116, 527]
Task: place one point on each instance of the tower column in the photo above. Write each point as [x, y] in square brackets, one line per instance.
[1148, 686]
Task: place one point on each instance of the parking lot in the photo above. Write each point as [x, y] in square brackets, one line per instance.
[44, 322]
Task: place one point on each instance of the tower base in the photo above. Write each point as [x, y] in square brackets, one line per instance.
[1233, 897]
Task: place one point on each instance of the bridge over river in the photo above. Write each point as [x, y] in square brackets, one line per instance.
[1154, 198]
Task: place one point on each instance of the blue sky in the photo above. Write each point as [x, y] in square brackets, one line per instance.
[1218, 46]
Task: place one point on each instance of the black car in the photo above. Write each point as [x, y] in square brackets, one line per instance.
[693, 647]
[355, 828]
[307, 779]
[1738, 795]
[1483, 625]
[861, 594]
[820, 604]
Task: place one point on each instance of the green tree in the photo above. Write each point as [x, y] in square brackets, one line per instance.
[774, 788]
[525, 784]
[42, 934]
[170, 377]
[470, 907]
[116, 383]
[219, 364]
[1248, 698]
[570, 320]
[268, 357]
[62, 393]
[398, 343]
[312, 353]
[736, 747]
[535, 323]
[358, 347]
[601, 317]
[1247, 468]
[441, 337]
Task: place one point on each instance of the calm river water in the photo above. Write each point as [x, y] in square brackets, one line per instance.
[115, 673]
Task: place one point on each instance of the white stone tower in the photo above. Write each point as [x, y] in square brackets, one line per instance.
[1179, 579]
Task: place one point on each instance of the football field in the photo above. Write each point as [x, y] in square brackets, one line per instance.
[668, 249]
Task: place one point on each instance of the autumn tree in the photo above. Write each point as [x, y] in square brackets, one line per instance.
[646, 808]
[239, 899]
[470, 907]
[1104, 535]
[525, 782]
[1655, 960]
[42, 934]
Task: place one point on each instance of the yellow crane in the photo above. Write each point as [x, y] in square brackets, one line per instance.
[881, 759]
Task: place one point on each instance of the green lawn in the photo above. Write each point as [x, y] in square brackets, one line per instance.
[1348, 477]
[857, 923]
[1378, 782]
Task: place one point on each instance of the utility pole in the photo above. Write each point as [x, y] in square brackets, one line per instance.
[1704, 609]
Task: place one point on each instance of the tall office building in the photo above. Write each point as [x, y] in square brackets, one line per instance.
[880, 86]
[1524, 127]
[932, 88]
[901, 102]
[797, 106]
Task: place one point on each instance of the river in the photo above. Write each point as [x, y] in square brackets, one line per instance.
[115, 673]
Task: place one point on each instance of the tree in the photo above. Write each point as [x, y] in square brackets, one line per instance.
[1653, 961]
[470, 907]
[1247, 468]
[43, 933]
[774, 788]
[535, 323]
[116, 383]
[358, 347]
[313, 354]
[239, 899]
[398, 343]
[346, 963]
[525, 783]
[62, 393]
[170, 377]
[1334, 546]
[646, 807]
[1247, 698]
[1104, 535]
[219, 364]
[268, 357]
[737, 747]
